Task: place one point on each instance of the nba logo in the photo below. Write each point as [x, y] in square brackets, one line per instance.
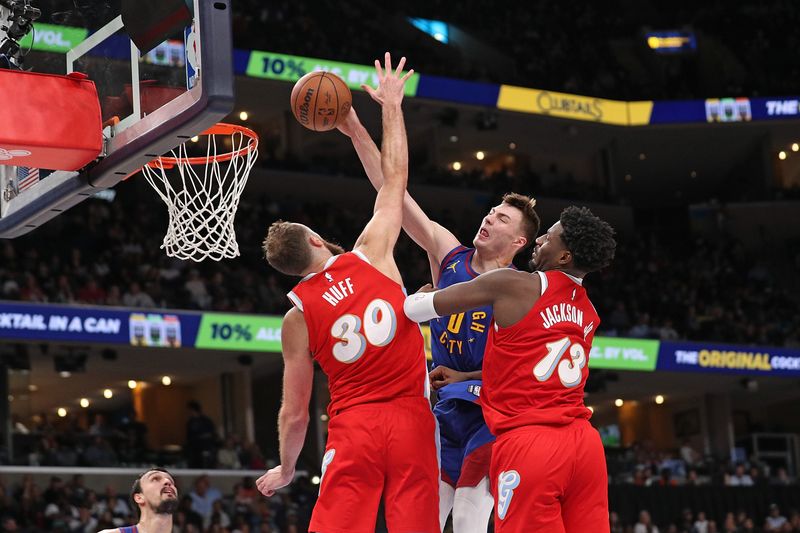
[192, 56]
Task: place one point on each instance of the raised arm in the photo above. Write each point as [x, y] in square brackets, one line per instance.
[380, 234]
[511, 294]
[431, 236]
[298, 380]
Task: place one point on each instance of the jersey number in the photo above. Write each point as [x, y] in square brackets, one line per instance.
[380, 325]
[569, 370]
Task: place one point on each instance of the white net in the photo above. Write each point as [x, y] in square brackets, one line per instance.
[202, 206]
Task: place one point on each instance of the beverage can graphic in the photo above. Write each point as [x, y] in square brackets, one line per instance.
[155, 333]
[172, 331]
[137, 326]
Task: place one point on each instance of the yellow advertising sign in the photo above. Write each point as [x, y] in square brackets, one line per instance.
[574, 106]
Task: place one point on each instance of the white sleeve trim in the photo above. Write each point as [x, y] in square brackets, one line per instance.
[295, 300]
[543, 277]
[360, 254]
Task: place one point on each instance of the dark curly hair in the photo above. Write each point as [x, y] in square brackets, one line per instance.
[589, 238]
[137, 486]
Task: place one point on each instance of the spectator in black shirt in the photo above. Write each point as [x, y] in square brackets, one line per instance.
[201, 438]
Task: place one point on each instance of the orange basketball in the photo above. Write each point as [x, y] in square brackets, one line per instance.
[321, 100]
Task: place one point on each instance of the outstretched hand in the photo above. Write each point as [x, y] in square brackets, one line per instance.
[390, 83]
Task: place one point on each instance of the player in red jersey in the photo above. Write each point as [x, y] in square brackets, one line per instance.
[458, 341]
[548, 468]
[348, 317]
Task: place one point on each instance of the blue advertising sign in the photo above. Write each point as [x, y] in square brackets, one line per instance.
[463, 92]
[738, 109]
[678, 112]
[97, 324]
[729, 359]
[776, 108]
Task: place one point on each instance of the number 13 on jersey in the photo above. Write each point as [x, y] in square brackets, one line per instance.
[569, 370]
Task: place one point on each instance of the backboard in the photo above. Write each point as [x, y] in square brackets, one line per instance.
[151, 100]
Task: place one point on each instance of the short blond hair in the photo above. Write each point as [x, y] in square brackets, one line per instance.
[530, 219]
[286, 247]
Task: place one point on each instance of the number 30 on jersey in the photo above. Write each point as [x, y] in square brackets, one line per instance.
[569, 370]
[379, 324]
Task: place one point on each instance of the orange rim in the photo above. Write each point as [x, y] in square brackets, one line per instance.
[217, 129]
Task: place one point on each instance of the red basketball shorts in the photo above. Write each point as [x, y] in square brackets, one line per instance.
[550, 479]
[375, 449]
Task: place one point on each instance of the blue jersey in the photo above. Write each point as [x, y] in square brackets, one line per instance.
[458, 341]
[129, 529]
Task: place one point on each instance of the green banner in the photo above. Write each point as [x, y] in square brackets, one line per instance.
[624, 354]
[52, 38]
[250, 333]
[291, 68]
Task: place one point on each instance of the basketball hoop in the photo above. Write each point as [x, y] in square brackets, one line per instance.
[202, 206]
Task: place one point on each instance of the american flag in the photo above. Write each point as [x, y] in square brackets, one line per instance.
[26, 177]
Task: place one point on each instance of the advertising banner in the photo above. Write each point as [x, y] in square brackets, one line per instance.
[291, 68]
[249, 333]
[624, 354]
[96, 324]
[776, 108]
[262, 333]
[52, 38]
[563, 105]
[714, 110]
[728, 359]
[460, 91]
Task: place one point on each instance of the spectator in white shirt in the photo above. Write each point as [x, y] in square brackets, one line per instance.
[645, 524]
[775, 520]
[689, 454]
[227, 456]
[739, 478]
[701, 524]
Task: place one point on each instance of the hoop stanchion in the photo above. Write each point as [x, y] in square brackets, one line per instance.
[202, 207]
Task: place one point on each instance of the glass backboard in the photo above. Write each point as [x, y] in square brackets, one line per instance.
[151, 99]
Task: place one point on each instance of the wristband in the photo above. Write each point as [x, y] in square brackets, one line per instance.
[419, 307]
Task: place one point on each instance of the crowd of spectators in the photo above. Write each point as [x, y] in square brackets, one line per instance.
[118, 439]
[644, 465]
[72, 507]
[731, 522]
[598, 49]
[112, 439]
[670, 288]
[698, 290]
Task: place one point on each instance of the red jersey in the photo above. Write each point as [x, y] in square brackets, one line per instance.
[359, 335]
[534, 372]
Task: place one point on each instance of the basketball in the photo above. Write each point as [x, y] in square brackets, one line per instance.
[320, 100]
